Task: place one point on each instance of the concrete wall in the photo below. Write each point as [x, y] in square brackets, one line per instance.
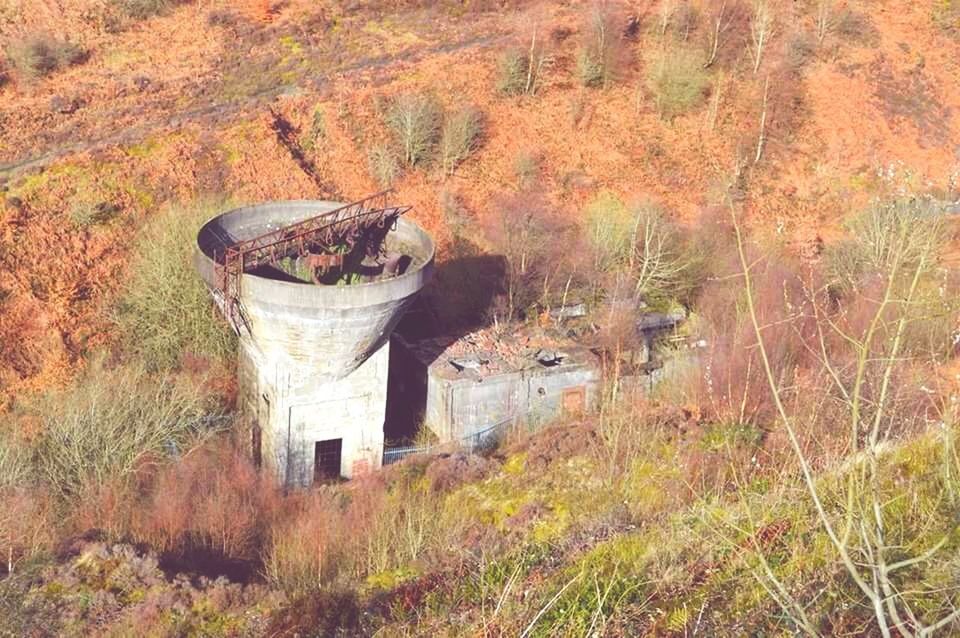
[457, 408]
[293, 416]
[313, 359]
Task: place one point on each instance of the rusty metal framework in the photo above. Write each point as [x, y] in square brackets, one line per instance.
[326, 240]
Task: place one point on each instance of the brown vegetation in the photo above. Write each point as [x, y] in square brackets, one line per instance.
[793, 115]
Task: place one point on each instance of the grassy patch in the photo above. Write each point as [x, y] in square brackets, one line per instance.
[678, 81]
[101, 428]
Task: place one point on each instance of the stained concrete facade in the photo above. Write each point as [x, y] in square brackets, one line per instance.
[468, 394]
[313, 358]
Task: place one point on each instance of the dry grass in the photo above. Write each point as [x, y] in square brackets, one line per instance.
[38, 55]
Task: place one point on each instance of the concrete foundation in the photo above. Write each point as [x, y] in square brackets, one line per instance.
[313, 358]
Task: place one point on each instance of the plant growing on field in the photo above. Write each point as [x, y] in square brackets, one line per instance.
[113, 420]
[166, 311]
[461, 134]
[520, 71]
[384, 165]
[863, 354]
[523, 232]
[38, 55]
[414, 119]
[677, 80]
[143, 9]
[657, 263]
[599, 56]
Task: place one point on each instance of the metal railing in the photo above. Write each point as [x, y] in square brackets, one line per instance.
[472, 443]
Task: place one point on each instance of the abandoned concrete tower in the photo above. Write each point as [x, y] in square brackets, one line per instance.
[313, 290]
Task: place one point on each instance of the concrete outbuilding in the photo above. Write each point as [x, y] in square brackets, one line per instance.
[313, 358]
[476, 381]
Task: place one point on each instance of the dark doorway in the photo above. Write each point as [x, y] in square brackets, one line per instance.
[326, 460]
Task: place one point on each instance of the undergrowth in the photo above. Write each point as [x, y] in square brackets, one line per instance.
[166, 312]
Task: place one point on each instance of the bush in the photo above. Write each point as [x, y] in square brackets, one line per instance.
[212, 499]
[13, 463]
[512, 72]
[166, 311]
[946, 15]
[384, 165]
[678, 81]
[414, 120]
[317, 131]
[519, 71]
[143, 9]
[899, 231]
[609, 230]
[87, 214]
[461, 133]
[112, 421]
[526, 167]
[857, 28]
[600, 55]
[40, 55]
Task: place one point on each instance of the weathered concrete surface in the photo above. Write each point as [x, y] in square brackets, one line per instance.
[314, 360]
[460, 404]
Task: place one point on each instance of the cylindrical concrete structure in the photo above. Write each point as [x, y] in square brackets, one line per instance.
[313, 358]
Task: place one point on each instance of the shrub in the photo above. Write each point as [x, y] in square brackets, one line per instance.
[317, 131]
[512, 72]
[526, 167]
[660, 264]
[609, 229]
[384, 165]
[857, 28]
[946, 15]
[678, 81]
[110, 422]
[414, 120]
[13, 463]
[165, 311]
[600, 55]
[519, 71]
[461, 133]
[87, 214]
[523, 232]
[801, 49]
[143, 9]
[214, 499]
[901, 230]
[39, 55]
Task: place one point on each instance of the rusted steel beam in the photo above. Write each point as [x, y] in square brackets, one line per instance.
[364, 222]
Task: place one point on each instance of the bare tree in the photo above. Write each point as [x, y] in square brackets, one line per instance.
[720, 24]
[824, 19]
[908, 247]
[656, 263]
[761, 30]
[522, 232]
[667, 9]
[761, 138]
